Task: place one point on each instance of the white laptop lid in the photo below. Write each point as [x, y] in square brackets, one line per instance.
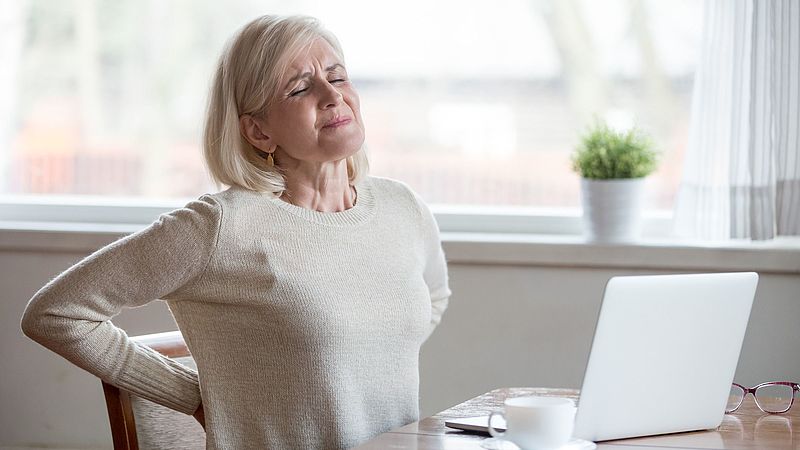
[664, 354]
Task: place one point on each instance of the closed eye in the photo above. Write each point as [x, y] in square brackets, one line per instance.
[299, 91]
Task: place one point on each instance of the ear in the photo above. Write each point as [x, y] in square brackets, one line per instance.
[252, 130]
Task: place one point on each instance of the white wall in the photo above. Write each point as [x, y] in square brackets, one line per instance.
[508, 325]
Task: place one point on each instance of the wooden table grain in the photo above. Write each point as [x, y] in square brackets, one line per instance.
[747, 429]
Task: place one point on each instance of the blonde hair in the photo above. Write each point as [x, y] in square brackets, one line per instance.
[247, 81]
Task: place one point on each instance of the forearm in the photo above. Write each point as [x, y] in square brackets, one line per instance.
[105, 351]
[72, 314]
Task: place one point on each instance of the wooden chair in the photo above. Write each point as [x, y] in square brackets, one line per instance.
[137, 423]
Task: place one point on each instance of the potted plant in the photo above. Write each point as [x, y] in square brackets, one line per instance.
[612, 165]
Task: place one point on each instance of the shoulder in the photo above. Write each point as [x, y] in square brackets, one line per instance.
[402, 198]
[245, 212]
[395, 190]
[235, 201]
[204, 209]
[212, 210]
[231, 197]
[200, 218]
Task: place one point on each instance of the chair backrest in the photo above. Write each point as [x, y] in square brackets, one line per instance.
[137, 423]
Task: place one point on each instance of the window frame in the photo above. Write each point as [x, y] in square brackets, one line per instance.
[470, 236]
[94, 212]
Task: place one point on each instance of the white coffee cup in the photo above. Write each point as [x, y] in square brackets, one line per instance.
[537, 423]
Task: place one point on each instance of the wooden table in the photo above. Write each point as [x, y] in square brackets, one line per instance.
[746, 429]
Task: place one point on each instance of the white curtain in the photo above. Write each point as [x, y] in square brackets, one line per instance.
[741, 174]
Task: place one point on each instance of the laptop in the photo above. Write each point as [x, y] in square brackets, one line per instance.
[663, 357]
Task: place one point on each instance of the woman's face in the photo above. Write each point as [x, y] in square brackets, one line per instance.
[316, 117]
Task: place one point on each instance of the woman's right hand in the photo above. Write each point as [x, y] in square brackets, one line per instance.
[200, 415]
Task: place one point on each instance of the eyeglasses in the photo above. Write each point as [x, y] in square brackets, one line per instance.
[773, 397]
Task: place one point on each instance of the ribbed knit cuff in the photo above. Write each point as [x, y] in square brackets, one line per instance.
[161, 380]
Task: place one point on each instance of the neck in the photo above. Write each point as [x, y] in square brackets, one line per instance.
[320, 187]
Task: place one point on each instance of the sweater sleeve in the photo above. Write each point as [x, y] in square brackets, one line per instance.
[435, 272]
[71, 314]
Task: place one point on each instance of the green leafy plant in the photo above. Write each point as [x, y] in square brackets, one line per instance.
[606, 154]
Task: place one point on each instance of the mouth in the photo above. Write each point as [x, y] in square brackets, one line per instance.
[337, 122]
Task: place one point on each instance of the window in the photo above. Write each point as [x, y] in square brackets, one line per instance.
[471, 103]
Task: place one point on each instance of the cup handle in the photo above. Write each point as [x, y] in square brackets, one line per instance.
[492, 431]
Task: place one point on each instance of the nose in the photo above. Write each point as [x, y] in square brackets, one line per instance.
[331, 96]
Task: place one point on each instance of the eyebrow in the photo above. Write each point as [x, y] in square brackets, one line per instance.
[308, 74]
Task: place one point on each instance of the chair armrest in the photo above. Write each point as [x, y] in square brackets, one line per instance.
[169, 344]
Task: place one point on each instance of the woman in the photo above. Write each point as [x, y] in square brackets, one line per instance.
[304, 291]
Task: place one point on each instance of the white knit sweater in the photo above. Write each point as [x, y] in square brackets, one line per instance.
[306, 326]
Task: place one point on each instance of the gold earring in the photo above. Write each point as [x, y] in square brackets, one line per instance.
[270, 160]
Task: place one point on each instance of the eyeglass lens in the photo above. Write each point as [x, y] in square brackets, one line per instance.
[774, 397]
[735, 398]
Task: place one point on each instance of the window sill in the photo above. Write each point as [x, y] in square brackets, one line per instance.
[61, 236]
[780, 255]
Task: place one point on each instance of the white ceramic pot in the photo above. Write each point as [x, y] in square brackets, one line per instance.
[612, 209]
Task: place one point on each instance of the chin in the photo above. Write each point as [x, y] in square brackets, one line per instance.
[345, 151]
[348, 154]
